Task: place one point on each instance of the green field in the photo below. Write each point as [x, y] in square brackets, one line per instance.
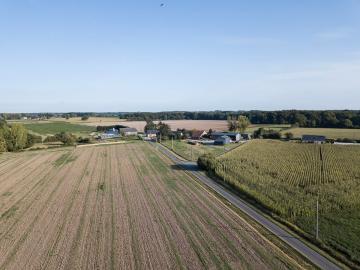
[330, 133]
[276, 127]
[192, 152]
[57, 127]
[286, 178]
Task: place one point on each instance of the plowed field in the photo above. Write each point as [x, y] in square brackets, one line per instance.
[118, 207]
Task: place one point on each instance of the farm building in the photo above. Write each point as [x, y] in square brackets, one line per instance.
[222, 140]
[110, 133]
[313, 139]
[198, 134]
[245, 136]
[152, 133]
[234, 136]
[128, 131]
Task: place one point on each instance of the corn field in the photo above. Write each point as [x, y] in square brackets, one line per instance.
[287, 178]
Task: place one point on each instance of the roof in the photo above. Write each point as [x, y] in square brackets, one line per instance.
[223, 138]
[313, 138]
[225, 133]
[198, 133]
[111, 131]
[127, 129]
[152, 131]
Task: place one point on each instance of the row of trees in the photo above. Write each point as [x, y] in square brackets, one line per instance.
[302, 118]
[15, 137]
[329, 118]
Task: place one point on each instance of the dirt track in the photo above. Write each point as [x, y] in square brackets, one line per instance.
[118, 207]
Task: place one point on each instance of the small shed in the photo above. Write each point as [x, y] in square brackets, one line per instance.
[223, 140]
[128, 131]
[313, 139]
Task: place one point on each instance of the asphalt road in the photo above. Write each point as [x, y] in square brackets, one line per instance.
[295, 243]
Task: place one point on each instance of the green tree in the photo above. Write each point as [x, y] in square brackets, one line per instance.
[164, 130]
[347, 123]
[232, 123]
[2, 143]
[66, 138]
[15, 137]
[242, 123]
[85, 117]
[150, 125]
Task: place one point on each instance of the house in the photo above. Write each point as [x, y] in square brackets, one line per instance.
[313, 139]
[198, 134]
[222, 140]
[245, 136]
[234, 136]
[110, 133]
[128, 131]
[152, 133]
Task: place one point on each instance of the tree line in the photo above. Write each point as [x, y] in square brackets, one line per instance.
[301, 118]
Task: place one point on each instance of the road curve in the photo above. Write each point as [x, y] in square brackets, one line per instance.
[295, 243]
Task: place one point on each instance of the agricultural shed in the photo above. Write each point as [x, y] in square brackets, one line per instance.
[234, 136]
[313, 139]
[222, 140]
[128, 131]
[110, 133]
[246, 136]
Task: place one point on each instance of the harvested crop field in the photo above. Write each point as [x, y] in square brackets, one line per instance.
[118, 207]
[186, 124]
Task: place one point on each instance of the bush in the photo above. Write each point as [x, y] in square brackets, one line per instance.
[85, 117]
[207, 162]
[66, 138]
[272, 135]
[50, 139]
[289, 135]
[32, 139]
[83, 140]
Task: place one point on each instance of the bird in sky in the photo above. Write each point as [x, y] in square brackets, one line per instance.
[162, 5]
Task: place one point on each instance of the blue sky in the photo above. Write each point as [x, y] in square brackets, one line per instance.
[187, 55]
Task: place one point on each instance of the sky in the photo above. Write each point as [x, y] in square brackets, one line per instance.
[61, 56]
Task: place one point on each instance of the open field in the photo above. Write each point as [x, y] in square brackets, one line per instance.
[286, 179]
[92, 121]
[193, 152]
[331, 133]
[200, 125]
[57, 127]
[118, 207]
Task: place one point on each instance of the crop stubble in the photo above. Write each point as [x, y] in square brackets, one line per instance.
[118, 207]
